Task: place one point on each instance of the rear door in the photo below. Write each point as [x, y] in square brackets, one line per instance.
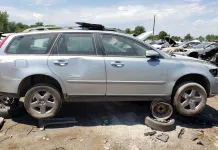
[75, 60]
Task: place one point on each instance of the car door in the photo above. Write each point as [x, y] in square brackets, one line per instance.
[129, 71]
[75, 61]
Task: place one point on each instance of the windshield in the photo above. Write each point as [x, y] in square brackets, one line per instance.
[212, 46]
[202, 45]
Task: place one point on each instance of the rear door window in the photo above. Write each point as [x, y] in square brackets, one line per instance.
[75, 44]
[32, 44]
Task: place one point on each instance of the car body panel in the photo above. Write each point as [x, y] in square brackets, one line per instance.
[82, 75]
[136, 76]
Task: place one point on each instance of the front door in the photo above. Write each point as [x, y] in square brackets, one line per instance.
[75, 61]
[129, 72]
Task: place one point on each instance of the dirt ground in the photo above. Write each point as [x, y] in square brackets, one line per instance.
[110, 126]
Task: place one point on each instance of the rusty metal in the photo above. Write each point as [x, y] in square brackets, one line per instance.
[54, 121]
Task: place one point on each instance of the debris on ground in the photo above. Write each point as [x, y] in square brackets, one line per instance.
[54, 121]
[200, 143]
[163, 137]
[150, 133]
[194, 138]
[59, 148]
[182, 131]
[45, 138]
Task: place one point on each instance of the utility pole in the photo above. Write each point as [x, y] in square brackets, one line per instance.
[153, 27]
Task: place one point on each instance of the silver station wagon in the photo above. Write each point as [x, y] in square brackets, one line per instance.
[50, 67]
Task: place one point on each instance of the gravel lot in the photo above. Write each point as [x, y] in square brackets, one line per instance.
[110, 125]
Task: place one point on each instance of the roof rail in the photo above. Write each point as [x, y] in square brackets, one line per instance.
[82, 25]
[42, 28]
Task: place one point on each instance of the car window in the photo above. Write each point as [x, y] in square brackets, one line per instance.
[121, 46]
[32, 44]
[75, 43]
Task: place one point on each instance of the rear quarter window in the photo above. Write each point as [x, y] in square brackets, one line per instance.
[31, 44]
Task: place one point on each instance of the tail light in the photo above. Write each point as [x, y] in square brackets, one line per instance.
[3, 41]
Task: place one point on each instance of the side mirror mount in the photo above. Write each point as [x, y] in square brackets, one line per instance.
[152, 54]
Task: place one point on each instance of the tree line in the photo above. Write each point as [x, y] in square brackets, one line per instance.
[7, 26]
[162, 34]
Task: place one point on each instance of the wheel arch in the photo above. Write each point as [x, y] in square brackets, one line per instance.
[34, 79]
[195, 77]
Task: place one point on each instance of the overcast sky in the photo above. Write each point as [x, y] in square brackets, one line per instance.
[177, 17]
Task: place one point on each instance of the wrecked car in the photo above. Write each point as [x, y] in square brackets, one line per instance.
[179, 48]
[96, 64]
[193, 52]
[210, 55]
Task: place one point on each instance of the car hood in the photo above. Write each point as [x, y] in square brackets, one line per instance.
[170, 41]
[145, 35]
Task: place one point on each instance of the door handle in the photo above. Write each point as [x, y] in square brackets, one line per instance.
[60, 62]
[117, 64]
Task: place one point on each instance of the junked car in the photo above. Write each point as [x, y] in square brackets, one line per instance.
[210, 55]
[50, 67]
[193, 52]
[179, 48]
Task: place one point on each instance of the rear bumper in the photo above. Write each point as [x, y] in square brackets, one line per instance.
[9, 86]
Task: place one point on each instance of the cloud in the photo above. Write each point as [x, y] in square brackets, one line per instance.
[193, 1]
[37, 15]
[21, 15]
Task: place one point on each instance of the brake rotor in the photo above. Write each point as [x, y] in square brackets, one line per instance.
[161, 110]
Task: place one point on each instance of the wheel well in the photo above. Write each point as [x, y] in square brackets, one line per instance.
[193, 54]
[200, 79]
[32, 80]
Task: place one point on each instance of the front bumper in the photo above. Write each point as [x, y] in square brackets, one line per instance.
[214, 87]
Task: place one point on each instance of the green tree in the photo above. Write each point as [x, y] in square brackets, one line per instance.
[200, 38]
[49, 25]
[37, 24]
[12, 27]
[155, 37]
[176, 38]
[212, 37]
[20, 27]
[139, 30]
[188, 37]
[162, 35]
[128, 31]
[4, 24]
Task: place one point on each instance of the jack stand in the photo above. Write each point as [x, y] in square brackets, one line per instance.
[55, 121]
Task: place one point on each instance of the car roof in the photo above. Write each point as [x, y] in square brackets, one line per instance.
[71, 31]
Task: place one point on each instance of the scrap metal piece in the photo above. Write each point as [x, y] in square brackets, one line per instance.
[163, 137]
[182, 131]
[150, 133]
[200, 143]
[54, 121]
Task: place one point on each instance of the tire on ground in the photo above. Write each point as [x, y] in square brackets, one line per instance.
[176, 99]
[160, 126]
[43, 87]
